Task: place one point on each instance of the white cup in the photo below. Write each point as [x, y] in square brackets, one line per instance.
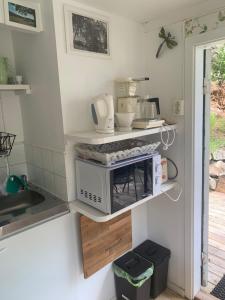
[19, 79]
[124, 121]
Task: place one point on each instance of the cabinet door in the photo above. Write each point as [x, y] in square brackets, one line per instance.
[37, 264]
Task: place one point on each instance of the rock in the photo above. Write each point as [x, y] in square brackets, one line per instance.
[219, 154]
[212, 184]
[217, 169]
[221, 185]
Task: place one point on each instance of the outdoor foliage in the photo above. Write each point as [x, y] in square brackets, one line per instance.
[217, 116]
[217, 130]
[218, 66]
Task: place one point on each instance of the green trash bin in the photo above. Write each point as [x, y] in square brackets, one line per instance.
[132, 277]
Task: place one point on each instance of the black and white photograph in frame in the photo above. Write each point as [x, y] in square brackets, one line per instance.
[87, 33]
[23, 14]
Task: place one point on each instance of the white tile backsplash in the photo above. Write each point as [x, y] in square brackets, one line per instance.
[2, 162]
[17, 155]
[3, 174]
[49, 182]
[11, 121]
[47, 159]
[38, 174]
[60, 187]
[19, 169]
[59, 163]
[29, 153]
[12, 114]
[37, 157]
[46, 168]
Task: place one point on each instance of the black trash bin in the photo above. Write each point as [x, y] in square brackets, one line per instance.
[159, 256]
[132, 277]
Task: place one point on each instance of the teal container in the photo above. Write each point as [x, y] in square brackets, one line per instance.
[4, 70]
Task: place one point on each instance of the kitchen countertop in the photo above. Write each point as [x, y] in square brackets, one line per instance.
[52, 207]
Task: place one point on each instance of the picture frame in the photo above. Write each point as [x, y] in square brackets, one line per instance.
[23, 14]
[87, 33]
[2, 19]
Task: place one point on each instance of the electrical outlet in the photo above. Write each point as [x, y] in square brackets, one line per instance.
[178, 107]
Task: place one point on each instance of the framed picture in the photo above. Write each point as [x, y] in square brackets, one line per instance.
[23, 14]
[86, 33]
[1, 12]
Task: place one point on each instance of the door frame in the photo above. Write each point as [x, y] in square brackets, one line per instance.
[194, 47]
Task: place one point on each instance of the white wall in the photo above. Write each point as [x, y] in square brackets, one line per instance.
[81, 78]
[165, 218]
[10, 113]
[35, 56]
[168, 83]
[36, 60]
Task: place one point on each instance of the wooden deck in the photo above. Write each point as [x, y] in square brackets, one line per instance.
[216, 239]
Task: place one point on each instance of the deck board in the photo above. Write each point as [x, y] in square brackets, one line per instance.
[216, 249]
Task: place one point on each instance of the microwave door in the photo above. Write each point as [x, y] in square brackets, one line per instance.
[124, 187]
[145, 175]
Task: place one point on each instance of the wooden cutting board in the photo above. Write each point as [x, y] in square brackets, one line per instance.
[102, 243]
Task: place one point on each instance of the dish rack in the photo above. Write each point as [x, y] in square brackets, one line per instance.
[6, 143]
[111, 153]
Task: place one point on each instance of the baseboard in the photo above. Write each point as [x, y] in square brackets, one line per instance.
[178, 290]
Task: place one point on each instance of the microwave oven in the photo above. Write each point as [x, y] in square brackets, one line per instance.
[110, 189]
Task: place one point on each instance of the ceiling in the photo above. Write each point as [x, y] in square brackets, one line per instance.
[141, 10]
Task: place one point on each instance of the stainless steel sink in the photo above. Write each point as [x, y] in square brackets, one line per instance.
[18, 203]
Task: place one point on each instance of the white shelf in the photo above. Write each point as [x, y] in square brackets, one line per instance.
[98, 216]
[94, 138]
[15, 87]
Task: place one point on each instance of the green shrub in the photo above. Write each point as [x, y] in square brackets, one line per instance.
[218, 65]
[217, 132]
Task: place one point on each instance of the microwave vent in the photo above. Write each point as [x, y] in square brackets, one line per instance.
[90, 196]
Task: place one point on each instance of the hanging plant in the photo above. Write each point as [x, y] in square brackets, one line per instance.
[168, 39]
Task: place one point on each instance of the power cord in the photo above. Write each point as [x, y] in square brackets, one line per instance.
[175, 167]
[172, 178]
[178, 197]
[169, 141]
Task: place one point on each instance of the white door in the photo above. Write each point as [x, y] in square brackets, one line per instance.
[205, 163]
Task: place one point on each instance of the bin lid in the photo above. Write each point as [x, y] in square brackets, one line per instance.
[153, 252]
[133, 264]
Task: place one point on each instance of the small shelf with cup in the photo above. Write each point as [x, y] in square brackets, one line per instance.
[94, 138]
[16, 87]
[98, 216]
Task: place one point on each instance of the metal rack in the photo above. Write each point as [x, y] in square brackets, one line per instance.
[6, 143]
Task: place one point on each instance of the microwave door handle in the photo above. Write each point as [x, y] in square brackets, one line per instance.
[145, 177]
[135, 186]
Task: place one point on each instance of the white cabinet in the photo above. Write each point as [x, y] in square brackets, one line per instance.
[38, 264]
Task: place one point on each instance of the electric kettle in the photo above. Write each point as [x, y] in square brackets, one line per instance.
[102, 110]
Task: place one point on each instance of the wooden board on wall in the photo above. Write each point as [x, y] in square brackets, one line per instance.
[102, 243]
